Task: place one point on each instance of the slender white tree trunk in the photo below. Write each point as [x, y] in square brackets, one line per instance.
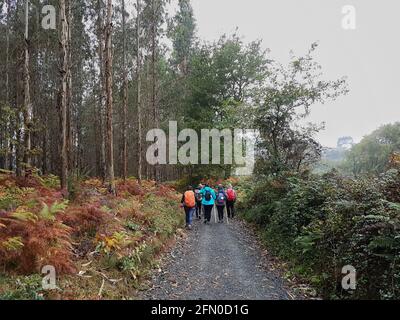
[63, 112]
[125, 101]
[27, 109]
[138, 93]
[109, 102]
[8, 155]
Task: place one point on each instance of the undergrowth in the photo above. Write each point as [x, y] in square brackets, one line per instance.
[319, 224]
[100, 245]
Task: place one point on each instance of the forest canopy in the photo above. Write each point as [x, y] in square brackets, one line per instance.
[79, 100]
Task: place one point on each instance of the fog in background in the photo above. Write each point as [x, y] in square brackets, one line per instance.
[369, 56]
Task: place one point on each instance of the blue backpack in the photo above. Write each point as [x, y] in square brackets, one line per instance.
[221, 198]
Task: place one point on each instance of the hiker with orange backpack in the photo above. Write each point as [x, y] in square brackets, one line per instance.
[230, 201]
[189, 204]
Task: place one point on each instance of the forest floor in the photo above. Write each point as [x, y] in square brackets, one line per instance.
[100, 246]
[219, 262]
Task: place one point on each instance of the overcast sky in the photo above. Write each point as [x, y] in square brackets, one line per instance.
[368, 55]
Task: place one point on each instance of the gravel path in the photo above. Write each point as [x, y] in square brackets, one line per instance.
[217, 262]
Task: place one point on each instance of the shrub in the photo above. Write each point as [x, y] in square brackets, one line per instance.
[22, 288]
[322, 223]
[29, 241]
[85, 220]
[130, 186]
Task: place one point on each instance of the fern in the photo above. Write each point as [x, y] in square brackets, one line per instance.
[393, 206]
[116, 242]
[50, 181]
[49, 213]
[307, 242]
[22, 215]
[13, 244]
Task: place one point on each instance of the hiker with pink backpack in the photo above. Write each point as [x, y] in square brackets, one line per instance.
[230, 201]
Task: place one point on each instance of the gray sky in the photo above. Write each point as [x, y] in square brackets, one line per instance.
[369, 55]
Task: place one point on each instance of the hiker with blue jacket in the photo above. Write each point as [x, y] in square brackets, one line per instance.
[208, 202]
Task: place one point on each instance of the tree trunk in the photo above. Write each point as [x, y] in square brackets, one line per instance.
[154, 78]
[109, 101]
[125, 101]
[69, 87]
[16, 142]
[7, 134]
[8, 52]
[44, 149]
[63, 112]
[18, 123]
[138, 93]
[102, 89]
[27, 109]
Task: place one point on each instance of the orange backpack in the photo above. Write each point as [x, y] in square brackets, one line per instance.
[190, 201]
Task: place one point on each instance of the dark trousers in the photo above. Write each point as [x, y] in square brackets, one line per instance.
[230, 207]
[207, 212]
[198, 209]
[221, 212]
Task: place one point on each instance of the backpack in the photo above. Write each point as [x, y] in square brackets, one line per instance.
[231, 194]
[198, 195]
[221, 198]
[189, 199]
[207, 195]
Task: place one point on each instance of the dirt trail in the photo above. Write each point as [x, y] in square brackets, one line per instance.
[221, 262]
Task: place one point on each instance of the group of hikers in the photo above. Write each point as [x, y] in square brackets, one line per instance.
[202, 199]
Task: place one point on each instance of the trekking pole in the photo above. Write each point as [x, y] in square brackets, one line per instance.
[215, 214]
[227, 219]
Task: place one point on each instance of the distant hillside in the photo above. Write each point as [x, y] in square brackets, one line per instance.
[337, 154]
[332, 157]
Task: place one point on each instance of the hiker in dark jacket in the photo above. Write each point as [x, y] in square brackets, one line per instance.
[230, 201]
[199, 199]
[221, 203]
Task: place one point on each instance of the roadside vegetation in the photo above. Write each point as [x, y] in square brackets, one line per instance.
[101, 246]
[319, 223]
